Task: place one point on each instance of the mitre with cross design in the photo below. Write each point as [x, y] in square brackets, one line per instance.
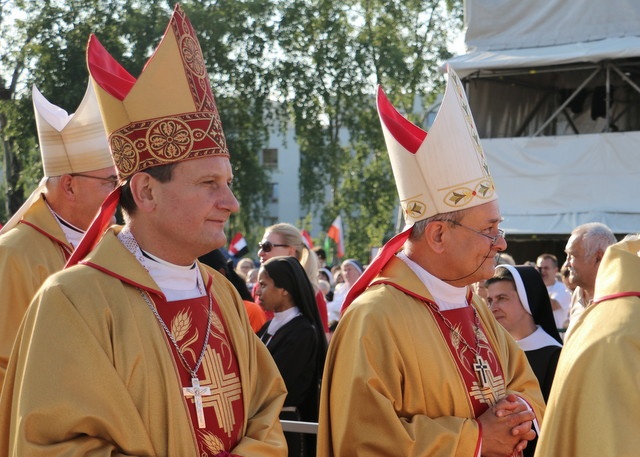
[439, 172]
[166, 115]
[444, 170]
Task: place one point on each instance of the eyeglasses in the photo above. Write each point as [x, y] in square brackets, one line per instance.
[494, 239]
[267, 246]
[112, 180]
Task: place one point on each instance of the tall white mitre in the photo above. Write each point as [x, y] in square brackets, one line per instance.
[69, 143]
[444, 170]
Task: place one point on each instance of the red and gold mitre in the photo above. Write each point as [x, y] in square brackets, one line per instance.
[169, 113]
[442, 171]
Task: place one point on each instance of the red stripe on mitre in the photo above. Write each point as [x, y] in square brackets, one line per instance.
[106, 71]
[409, 135]
[165, 140]
[193, 61]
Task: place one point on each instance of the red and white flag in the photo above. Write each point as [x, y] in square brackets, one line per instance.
[336, 234]
[238, 246]
[306, 238]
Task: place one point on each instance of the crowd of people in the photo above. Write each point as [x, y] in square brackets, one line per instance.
[146, 339]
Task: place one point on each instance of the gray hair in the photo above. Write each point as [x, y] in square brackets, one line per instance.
[420, 226]
[595, 236]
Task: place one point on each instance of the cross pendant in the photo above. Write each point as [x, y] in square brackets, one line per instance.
[482, 369]
[197, 393]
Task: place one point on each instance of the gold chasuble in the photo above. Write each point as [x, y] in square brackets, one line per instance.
[593, 408]
[94, 373]
[415, 378]
[215, 395]
[29, 253]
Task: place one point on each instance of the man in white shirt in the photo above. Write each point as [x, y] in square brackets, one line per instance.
[560, 297]
[585, 249]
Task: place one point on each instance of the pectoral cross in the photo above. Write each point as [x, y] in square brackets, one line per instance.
[482, 369]
[197, 392]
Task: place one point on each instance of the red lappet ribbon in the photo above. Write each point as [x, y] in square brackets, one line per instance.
[97, 228]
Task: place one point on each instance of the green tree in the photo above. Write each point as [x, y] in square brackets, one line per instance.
[333, 53]
[43, 43]
[310, 65]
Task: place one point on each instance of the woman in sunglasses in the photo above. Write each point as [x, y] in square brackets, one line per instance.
[284, 239]
[296, 341]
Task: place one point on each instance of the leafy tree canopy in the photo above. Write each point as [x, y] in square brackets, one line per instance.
[307, 65]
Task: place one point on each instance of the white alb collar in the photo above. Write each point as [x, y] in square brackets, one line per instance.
[446, 296]
[176, 282]
[72, 233]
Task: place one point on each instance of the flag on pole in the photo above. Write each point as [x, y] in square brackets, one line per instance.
[334, 242]
[238, 246]
[306, 238]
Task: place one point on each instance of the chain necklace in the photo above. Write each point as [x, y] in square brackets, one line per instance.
[128, 240]
[480, 366]
[195, 390]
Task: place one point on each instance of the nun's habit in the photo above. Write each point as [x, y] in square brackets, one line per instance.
[543, 346]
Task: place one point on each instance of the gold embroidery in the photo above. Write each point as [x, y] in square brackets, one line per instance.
[169, 140]
[490, 394]
[225, 389]
[192, 56]
[124, 154]
[180, 324]
[493, 388]
[213, 444]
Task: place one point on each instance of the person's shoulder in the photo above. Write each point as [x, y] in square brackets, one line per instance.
[559, 287]
[382, 302]
[76, 278]
[20, 236]
[297, 330]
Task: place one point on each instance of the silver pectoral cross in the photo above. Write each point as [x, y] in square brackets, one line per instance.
[482, 369]
[197, 393]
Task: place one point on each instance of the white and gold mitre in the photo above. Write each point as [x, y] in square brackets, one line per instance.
[442, 171]
[71, 143]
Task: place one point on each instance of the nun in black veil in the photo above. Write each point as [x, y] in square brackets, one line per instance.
[519, 300]
[296, 340]
[539, 338]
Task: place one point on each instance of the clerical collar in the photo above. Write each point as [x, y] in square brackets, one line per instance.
[177, 282]
[280, 319]
[72, 233]
[446, 296]
[537, 340]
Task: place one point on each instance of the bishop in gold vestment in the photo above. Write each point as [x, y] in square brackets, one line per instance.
[29, 253]
[112, 389]
[397, 390]
[593, 407]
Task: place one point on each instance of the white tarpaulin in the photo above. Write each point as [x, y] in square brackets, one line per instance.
[549, 185]
[512, 24]
[532, 33]
[592, 51]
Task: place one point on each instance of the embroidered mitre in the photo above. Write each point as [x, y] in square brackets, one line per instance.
[169, 113]
[444, 170]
